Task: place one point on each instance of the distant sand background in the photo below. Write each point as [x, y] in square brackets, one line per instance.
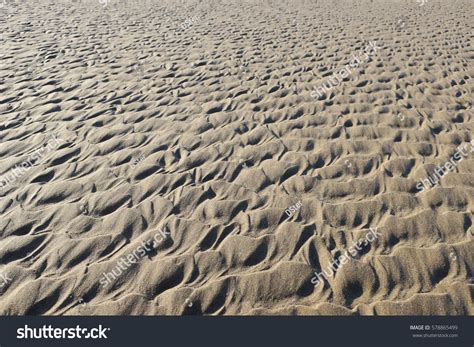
[196, 119]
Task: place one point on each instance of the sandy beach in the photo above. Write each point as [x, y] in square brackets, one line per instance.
[250, 157]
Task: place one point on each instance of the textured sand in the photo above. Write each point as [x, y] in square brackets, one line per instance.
[209, 133]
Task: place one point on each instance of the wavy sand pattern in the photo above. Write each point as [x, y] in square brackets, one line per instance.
[207, 131]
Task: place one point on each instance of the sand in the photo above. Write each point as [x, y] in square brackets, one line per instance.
[196, 119]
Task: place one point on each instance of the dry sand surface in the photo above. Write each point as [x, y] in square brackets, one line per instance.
[199, 120]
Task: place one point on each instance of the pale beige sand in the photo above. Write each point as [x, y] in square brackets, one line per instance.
[229, 137]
